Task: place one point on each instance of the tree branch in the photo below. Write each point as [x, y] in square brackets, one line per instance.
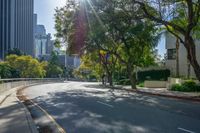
[176, 35]
[159, 20]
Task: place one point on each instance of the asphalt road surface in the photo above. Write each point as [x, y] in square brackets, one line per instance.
[82, 107]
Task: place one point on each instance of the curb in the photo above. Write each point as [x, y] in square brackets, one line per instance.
[33, 127]
[3, 99]
[59, 128]
[194, 99]
[30, 121]
[164, 95]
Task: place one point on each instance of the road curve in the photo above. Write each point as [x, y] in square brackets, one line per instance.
[82, 107]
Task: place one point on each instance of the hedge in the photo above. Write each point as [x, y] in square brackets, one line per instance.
[161, 75]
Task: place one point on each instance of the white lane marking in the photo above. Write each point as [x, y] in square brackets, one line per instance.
[111, 106]
[188, 131]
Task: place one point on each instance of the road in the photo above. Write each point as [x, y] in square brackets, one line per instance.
[82, 107]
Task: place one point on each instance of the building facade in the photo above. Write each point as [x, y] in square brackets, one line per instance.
[43, 42]
[65, 60]
[16, 26]
[178, 61]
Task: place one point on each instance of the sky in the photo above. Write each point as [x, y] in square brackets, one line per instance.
[45, 9]
[161, 46]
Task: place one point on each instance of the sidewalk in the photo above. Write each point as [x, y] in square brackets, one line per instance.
[193, 96]
[14, 117]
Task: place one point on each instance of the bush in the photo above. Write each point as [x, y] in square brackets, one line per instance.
[6, 71]
[161, 75]
[141, 84]
[197, 88]
[187, 86]
[176, 87]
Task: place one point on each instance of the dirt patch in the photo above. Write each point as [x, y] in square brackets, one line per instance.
[45, 129]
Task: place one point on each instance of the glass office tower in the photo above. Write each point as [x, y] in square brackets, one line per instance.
[16, 26]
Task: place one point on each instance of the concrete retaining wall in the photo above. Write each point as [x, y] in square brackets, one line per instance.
[6, 85]
[155, 84]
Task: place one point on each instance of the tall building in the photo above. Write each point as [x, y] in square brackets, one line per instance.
[16, 26]
[50, 45]
[40, 30]
[5, 22]
[41, 40]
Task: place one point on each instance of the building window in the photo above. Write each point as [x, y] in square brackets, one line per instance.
[171, 54]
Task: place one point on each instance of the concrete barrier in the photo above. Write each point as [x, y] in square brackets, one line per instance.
[155, 84]
[7, 84]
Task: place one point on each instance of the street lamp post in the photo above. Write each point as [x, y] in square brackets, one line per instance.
[177, 58]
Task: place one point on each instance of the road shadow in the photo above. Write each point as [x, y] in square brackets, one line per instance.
[13, 119]
[81, 111]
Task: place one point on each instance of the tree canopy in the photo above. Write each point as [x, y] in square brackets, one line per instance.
[180, 17]
[109, 27]
[53, 69]
[27, 66]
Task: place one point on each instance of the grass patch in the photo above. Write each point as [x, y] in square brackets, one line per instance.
[141, 84]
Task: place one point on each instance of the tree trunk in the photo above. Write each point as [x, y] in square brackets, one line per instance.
[189, 70]
[191, 55]
[103, 79]
[110, 80]
[132, 77]
[133, 81]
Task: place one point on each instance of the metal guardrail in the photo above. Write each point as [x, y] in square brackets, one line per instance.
[7, 84]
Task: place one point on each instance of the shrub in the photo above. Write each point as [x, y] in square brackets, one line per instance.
[176, 87]
[197, 88]
[141, 84]
[161, 74]
[187, 86]
[6, 71]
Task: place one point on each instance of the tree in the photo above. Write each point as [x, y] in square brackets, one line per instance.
[6, 71]
[111, 29]
[130, 40]
[181, 18]
[71, 26]
[53, 68]
[90, 66]
[27, 66]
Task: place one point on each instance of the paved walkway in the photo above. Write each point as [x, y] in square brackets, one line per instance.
[14, 117]
[195, 96]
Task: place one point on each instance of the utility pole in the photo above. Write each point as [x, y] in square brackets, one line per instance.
[189, 70]
[177, 58]
[66, 74]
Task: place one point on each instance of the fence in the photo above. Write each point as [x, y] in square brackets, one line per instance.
[7, 84]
